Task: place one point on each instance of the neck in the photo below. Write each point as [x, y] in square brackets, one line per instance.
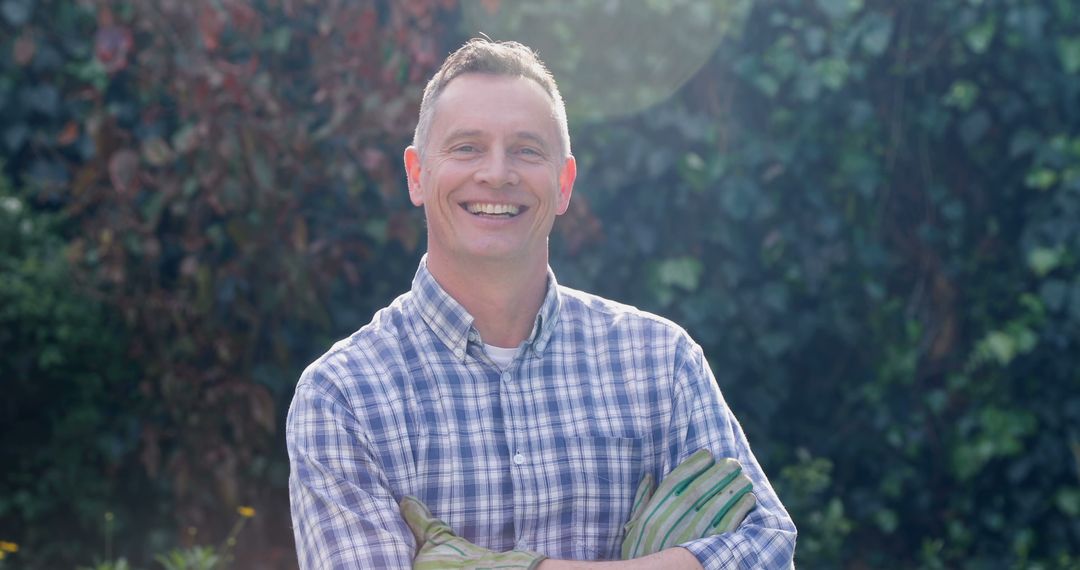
[503, 298]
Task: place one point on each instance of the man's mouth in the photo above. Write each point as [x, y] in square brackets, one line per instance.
[492, 210]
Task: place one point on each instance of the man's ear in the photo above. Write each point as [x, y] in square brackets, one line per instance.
[412, 173]
[566, 183]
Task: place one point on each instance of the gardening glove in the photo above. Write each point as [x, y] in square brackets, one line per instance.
[438, 548]
[701, 497]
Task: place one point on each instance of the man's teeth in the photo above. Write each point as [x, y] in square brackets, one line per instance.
[493, 209]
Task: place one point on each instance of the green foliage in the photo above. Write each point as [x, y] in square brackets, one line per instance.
[230, 197]
[195, 558]
[118, 564]
[868, 212]
[188, 558]
[67, 437]
[804, 487]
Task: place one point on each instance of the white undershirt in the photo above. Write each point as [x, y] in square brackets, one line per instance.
[502, 356]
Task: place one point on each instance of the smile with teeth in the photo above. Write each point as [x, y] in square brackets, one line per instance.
[499, 210]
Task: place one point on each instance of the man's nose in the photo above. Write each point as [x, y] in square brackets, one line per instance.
[497, 170]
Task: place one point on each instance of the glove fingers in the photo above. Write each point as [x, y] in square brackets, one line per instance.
[660, 505]
[700, 497]
[683, 512]
[695, 513]
[641, 498]
[632, 529]
[709, 489]
[424, 526]
[684, 474]
[736, 514]
[417, 516]
[438, 548]
[449, 555]
[723, 514]
[460, 554]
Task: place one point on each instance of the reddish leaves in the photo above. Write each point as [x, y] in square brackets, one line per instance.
[24, 49]
[112, 45]
[124, 171]
[211, 24]
[253, 170]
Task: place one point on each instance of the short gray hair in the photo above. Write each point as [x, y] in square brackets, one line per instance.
[481, 55]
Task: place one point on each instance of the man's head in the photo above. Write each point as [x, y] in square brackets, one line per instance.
[490, 58]
[491, 165]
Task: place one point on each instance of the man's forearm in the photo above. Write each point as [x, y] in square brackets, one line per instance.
[670, 559]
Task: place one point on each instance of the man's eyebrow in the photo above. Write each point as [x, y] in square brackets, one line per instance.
[533, 137]
[530, 136]
[459, 134]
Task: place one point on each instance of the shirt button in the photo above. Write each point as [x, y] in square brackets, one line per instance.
[506, 377]
[519, 459]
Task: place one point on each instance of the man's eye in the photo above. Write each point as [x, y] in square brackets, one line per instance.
[465, 148]
[529, 151]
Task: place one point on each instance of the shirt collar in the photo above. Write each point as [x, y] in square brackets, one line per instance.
[453, 325]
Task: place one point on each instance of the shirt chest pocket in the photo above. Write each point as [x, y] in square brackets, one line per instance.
[591, 486]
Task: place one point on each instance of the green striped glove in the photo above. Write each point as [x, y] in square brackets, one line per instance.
[701, 497]
[438, 548]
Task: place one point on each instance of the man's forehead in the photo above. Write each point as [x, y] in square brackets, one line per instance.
[517, 101]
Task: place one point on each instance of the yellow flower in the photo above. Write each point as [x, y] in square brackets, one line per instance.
[246, 512]
[8, 546]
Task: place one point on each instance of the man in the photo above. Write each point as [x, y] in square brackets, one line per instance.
[522, 413]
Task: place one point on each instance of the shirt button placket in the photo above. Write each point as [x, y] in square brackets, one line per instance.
[514, 413]
[519, 458]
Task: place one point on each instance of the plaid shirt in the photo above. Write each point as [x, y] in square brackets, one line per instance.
[545, 455]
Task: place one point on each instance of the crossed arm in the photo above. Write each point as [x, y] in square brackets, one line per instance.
[700, 498]
[345, 514]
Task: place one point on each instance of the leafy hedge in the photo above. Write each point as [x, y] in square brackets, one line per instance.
[69, 406]
[228, 177]
[868, 212]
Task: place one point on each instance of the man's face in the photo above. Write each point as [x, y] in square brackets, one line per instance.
[493, 175]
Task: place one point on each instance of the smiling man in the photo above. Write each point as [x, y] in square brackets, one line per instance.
[490, 417]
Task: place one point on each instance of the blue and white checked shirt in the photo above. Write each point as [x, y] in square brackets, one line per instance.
[545, 455]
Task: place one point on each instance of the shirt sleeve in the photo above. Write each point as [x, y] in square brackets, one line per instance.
[343, 513]
[766, 538]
